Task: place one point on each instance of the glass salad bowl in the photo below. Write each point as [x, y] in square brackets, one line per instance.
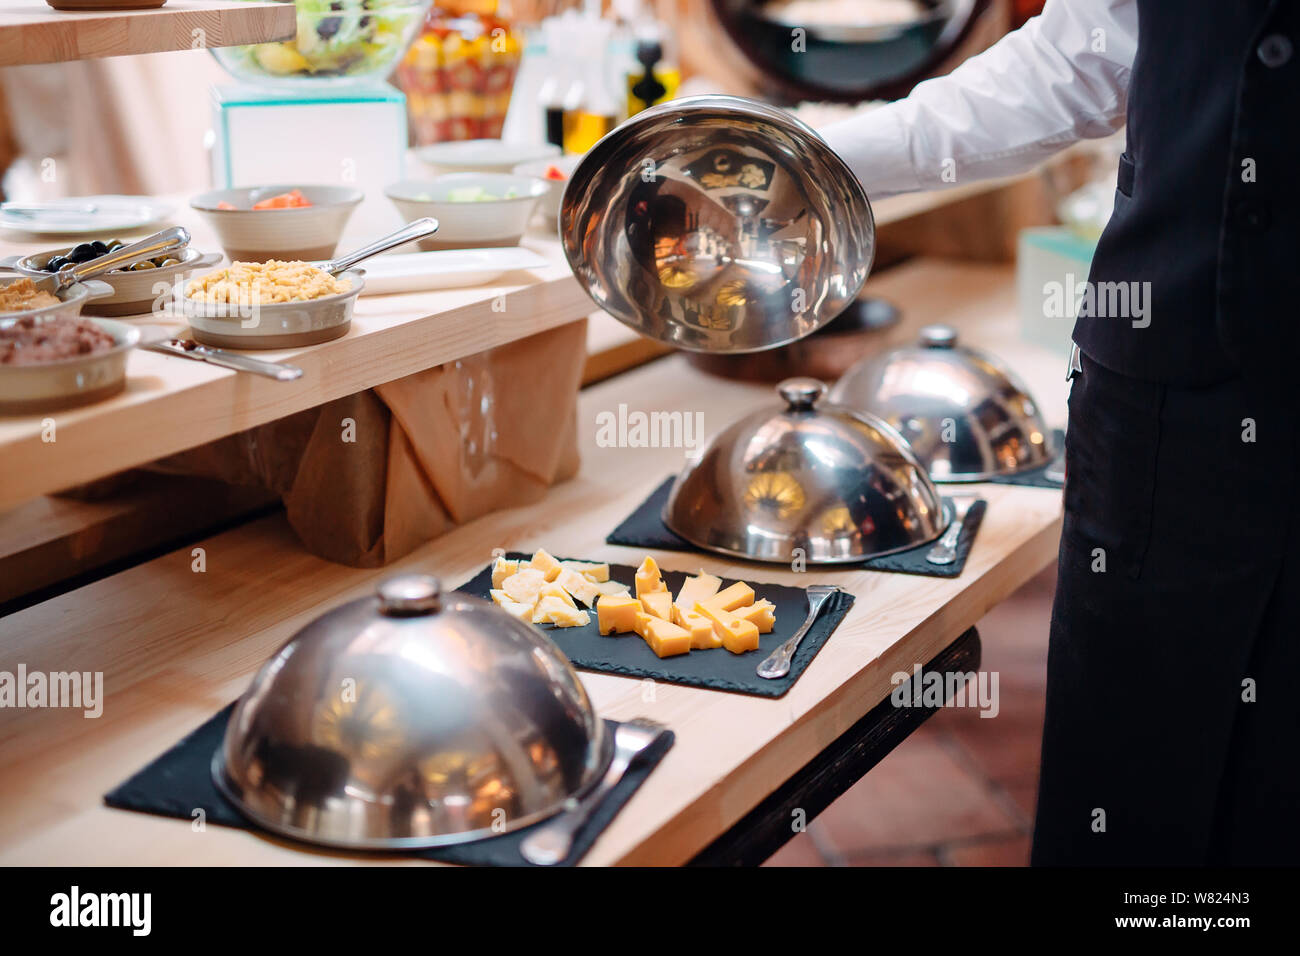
[340, 40]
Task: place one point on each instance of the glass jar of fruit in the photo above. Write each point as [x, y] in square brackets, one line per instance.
[458, 74]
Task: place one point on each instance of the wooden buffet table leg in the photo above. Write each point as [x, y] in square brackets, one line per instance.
[813, 788]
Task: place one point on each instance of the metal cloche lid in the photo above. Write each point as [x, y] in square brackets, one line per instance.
[967, 416]
[410, 718]
[717, 224]
[810, 478]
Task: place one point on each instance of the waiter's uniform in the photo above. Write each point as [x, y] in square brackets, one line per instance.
[1173, 716]
[1173, 710]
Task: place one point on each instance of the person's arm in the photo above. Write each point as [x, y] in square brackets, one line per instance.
[1060, 78]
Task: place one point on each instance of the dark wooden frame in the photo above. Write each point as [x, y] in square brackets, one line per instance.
[813, 788]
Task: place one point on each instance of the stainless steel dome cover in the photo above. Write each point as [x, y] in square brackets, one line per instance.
[967, 417]
[717, 224]
[837, 484]
[410, 719]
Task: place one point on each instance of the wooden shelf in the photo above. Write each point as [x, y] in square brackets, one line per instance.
[171, 404]
[176, 646]
[33, 32]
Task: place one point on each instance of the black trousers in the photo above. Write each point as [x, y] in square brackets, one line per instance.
[1172, 733]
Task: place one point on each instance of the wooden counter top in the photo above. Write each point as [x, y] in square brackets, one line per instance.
[171, 404]
[175, 645]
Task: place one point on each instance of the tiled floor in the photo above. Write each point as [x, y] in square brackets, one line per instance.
[960, 791]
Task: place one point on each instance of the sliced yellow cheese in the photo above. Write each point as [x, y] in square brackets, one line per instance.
[611, 587]
[717, 617]
[740, 636]
[581, 588]
[550, 589]
[703, 636]
[524, 585]
[589, 570]
[658, 604]
[562, 614]
[548, 565]
[761, 613]
[665, 638]
[502, 569]
[514, 608]
[699, 588]
[616, 613]
[739, 594]
[648, 579]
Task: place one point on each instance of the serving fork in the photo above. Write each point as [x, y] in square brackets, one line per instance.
[777, 663]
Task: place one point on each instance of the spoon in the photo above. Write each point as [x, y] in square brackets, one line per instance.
[945, 550]
[778, 662]
[416, 229]
[150, 247]
[550, 843]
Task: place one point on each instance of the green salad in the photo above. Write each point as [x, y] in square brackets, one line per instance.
[335, 38]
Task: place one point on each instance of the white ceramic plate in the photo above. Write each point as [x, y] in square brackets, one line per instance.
[445, 269]
[83, 215]
[482, 155]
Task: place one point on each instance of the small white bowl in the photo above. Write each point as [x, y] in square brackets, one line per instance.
[256, 235]
[482, 155]
[474, 224]
[550, 206]
[72, 381]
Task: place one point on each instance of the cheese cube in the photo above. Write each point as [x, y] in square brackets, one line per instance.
[592, 572]
[761, 613]
[658, 604]
[611, 587]
[699, 588]
[573, 582]
[546, 564]
[561, 614]
[740, 636]
[739, 594]
[502, 569]
[524, 585]
[665, 638]
[703, 636]
[550, 589]
[514, 608]
[648, 578]
[616, 613]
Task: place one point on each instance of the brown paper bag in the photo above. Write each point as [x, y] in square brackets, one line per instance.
[368, 478]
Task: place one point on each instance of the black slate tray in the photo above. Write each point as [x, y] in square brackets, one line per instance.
[180, 782]
[719, 669]
[645, 528]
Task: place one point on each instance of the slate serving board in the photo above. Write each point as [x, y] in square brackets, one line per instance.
[719, 669]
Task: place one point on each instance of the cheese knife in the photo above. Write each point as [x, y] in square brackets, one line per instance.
[185, 348]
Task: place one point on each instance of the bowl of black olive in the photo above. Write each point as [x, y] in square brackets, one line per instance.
[137, 289]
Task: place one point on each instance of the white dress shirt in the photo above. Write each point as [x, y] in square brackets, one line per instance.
[1060, 78]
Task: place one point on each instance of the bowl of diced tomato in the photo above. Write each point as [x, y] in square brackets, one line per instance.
[556, 173]
[288, 222]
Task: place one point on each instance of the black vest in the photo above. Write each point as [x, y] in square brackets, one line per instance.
[1207, 199]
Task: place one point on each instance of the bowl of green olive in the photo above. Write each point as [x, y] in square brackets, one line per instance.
[138, 289]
